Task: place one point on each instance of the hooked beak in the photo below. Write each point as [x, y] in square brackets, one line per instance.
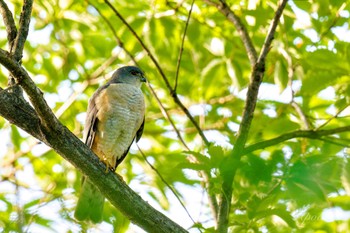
[143, 78]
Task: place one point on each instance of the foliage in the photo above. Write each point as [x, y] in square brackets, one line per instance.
[293, 185]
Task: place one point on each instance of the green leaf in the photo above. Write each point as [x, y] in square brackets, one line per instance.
[15, 137]
[282, 213]
[281, 75]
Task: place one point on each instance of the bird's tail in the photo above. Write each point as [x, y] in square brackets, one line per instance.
[90, 203]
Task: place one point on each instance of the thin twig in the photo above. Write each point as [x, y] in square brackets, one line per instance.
[19, 208]
[334, 22]
[22, 31]
[182, 47]
[333, 117]
[9, 23]
[84, 85]
[141, 43]
[166, 183]
[241, 29]
[313, 134]
[335, 141]
[206, 176]
[167, 116]
[160, 70]
[271, 33]
[302, 116]
[117, 38]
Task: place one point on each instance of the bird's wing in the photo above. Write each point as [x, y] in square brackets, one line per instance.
[140, 130]
[137, 137]
[91, 119]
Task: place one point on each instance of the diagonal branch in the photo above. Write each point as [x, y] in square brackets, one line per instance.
[167, 184]
[229, 169]
[182, 47]
[313, 134]
[205, 175]
[241, 29]
[162, 74]
[21, 76]
[17, 50]
[333, 117]
[167, 116]
[9, 23]
[19, 112]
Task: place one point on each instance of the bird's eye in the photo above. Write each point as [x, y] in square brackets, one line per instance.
[133, 72]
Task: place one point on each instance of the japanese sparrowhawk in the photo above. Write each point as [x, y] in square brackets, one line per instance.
[115, 117]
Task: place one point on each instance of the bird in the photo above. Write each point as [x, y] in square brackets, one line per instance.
[115, 118]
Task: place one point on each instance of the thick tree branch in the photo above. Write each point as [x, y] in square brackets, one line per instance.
[241, 29]
[313, 134]
[162, 74]
[72, 149]
[22, 78]
[18, 112]
[230, 167]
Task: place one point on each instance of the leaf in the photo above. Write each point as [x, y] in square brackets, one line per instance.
[15, 137]
[341, 201]
[282, 213]
[281, 75]
[345, 177]
[217, 155]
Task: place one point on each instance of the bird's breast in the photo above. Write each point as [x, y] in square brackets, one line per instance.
[120, 114]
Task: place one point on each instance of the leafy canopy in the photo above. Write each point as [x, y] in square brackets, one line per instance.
[293, 183]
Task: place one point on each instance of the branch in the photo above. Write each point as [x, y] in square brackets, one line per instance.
[241, 29]
[9, 23]
[182, 47]
[313, 134]
[89, 80]
[333, 117]
[18, 112]
[167, 116]
[117, 38]
[230, 167]
[205, 175]
[165, 79]
[22, 34]
[304, 120]
[22, 78]
[167, 184]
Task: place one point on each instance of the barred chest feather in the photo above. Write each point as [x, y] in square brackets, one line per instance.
[120, 115]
